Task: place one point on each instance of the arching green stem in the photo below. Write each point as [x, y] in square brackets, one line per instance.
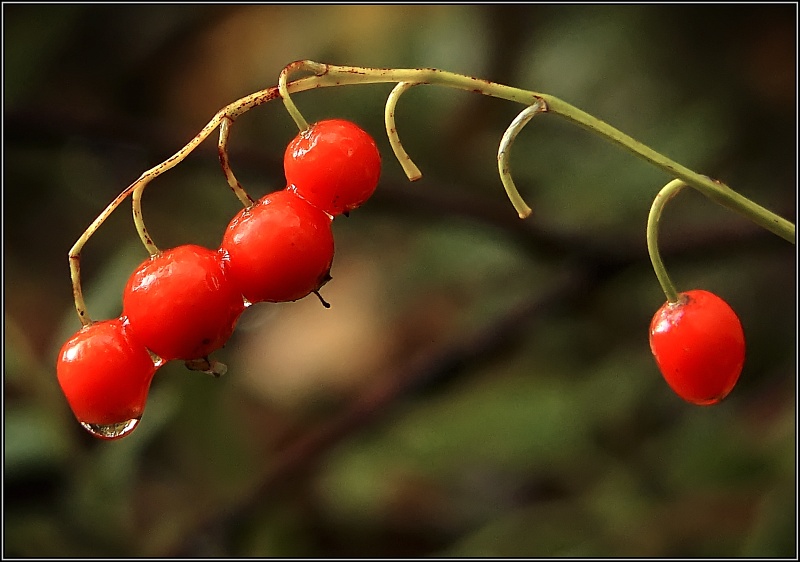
[326, 75]
[667, 192]
[714, 190]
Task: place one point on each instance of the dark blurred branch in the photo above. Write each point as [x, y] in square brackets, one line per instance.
[300, 458]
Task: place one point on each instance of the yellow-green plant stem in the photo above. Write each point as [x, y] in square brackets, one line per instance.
[224, 160]
[138, 221]
[505, 149]
[298, 118]
[410, 169]
[667, 192]
[327, 75]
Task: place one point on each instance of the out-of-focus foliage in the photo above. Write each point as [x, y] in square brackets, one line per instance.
[564, 441]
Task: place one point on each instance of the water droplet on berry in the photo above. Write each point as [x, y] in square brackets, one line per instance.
[113, 430]
[157, 361]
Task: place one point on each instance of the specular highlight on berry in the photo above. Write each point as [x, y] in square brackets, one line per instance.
[181, 303]
[280, 249]
[335, 165]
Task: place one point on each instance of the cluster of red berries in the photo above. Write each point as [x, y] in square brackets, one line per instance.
[698, 344]
[184, 303]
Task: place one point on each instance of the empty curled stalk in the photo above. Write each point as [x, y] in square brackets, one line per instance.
[412, 172]
[505, 147]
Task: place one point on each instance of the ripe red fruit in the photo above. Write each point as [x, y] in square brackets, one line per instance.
[334, 164]
[698, 344]
[279, 249]
[181, 304]
[105, 377]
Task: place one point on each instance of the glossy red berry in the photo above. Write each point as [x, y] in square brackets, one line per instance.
[280, 249]
[334, 164]
[105, 377]
[181, 304]
[698, 344]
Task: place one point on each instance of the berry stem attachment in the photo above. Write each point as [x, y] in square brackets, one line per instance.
[312, 66]
[224, 160]
[230, 111]
[138, 221]
[412, 172]
[667, 192]
[75, 256]
[505, 147]
[77, 291]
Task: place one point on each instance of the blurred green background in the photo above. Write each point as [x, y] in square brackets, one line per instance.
[481, 386]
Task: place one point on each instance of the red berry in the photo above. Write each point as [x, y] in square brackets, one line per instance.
[698, 344]
[105, 376]
[181, 304]
[280, 249]
[334, 164]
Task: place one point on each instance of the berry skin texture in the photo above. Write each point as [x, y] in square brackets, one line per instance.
[334, 164]
[181, 304]
[698, 344]
[279, 249]
[105, 376]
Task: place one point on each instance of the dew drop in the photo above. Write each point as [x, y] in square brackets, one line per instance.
[111, 431]
[157, 361]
